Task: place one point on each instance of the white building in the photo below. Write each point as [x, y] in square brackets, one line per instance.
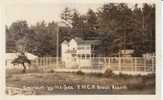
[126, 53]
[78, 52]
[149, 55]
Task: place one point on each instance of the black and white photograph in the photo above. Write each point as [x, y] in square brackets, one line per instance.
[102, 48]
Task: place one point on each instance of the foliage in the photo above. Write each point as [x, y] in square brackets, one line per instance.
[80, 72]
[108, 73]
[21, 59]
[117, 26]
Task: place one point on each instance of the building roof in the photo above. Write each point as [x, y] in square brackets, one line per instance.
[78, 40]
[148, 55]
[65, 42]
[71, 51]
[126, 51]
[81, 41]
[11, 56]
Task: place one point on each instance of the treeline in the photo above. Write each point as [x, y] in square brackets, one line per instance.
[116, 25]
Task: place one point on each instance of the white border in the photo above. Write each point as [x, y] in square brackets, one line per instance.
[77, 97]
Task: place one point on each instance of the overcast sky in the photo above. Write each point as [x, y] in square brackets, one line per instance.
[36, 12]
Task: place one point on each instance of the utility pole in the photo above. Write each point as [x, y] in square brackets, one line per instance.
[57, 53]
[62, 23]
[143, 26]
[124, 41]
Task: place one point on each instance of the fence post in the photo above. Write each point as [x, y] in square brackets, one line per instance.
[153, 64]
[145, 65]
[38, 61]
[109, 64]
[119, 63]
[44, 59]
[42, 63]
[135, 64]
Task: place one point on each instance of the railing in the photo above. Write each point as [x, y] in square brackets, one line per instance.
[130, 64]
[134, 64]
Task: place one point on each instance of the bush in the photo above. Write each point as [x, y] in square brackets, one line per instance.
[51, 71]
[108, 73]
[80, 72]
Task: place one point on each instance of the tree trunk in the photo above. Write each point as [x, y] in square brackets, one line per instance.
[24, 68]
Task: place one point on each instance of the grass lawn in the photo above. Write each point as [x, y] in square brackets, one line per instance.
[43, 83]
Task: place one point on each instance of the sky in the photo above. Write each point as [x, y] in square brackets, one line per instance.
[49, 11]
[37, 12]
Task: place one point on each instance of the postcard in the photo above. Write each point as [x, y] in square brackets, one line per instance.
[100, 49]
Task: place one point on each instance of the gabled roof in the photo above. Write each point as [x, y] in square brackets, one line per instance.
[11, 56]
[65, 42]
[71, 51]
[93, 42]
[78, 40]
[81, 41]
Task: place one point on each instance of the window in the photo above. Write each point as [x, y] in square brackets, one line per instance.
[88, 56]
[83, 56]
[80, 47]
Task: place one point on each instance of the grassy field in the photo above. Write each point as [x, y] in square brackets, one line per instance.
[51, 83]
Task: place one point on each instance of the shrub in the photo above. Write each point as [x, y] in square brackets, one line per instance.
[108, 73]
[51, 71]
[80, 72]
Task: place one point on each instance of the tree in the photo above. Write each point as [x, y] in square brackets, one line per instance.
[149, 27]
[77, 24]
[107, 15]
[117, 26]
[16, 31]
[45, 39]
[108, 24]
[125, 28]
[21, 45]
[66, 15]
[91, 25]
[22, 59]
[10, 41]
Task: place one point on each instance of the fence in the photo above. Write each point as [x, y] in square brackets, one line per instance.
[129, 65]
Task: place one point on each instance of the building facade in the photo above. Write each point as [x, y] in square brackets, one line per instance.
[78, 52]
